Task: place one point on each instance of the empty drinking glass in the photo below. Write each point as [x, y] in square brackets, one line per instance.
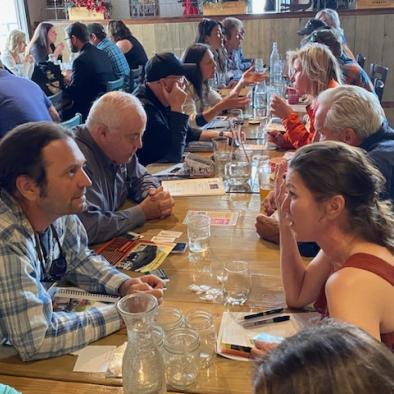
[202, 322]
[236, 284]
[182, 357]
[221, 154]
[198, 232]
[169, 318]
[237, 172]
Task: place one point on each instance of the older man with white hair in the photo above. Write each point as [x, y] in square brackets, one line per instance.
[109, 140]
[353, 115]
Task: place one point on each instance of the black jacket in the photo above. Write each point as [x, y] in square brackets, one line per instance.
[380, 148]
[166, 132]
[92, 69]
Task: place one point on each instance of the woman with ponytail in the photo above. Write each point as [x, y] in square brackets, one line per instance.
[331, 196]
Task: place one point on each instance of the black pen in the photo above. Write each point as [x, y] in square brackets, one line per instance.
[265, 313]
[278, 319]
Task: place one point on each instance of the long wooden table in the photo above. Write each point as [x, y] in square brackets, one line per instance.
[227, 243]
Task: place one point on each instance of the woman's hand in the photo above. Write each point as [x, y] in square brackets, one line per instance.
[269, 203]
[58, 50]
[260, 348]
[28, 59]
[276, 137]
[234, 101]
[281, 196]
[252, 77]
[279, 107]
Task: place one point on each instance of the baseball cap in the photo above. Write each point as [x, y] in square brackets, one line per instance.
[165, 64]
[311, 26]
[96, 28]
[328, 38]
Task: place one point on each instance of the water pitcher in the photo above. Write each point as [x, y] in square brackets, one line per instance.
[143, 366]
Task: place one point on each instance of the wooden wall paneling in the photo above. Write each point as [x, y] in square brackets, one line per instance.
[173, 39]
[161, 37]
[349, 25]
[375, 39]
[388, 57]
[188, 35]
[149, 39]
[145, 34]
[253, 40]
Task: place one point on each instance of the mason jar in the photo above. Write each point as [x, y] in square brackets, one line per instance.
[181, 355]
[202, 322]
[169, 318]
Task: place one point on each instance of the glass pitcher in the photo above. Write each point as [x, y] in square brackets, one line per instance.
[143, 366]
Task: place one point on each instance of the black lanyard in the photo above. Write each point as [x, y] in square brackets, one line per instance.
[58, 267]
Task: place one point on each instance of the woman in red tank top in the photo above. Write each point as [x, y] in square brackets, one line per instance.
[331, 196]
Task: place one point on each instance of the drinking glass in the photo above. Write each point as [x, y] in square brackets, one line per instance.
[264, 174]
[237, 173]
[198, 232]
[182, 357]
[202, 322]
[259, 65]
[236, 284]
[221, 154]
[169, 318]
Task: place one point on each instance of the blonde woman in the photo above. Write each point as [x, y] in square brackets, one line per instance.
[313, 69]
[14, 56]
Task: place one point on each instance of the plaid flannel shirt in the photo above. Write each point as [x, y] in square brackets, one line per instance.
[353, 74]
[236, 64]
[27, 318]
[119, 63]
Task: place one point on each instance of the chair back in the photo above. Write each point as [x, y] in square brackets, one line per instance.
[378, 75]
[76, 120]
[361, 60]
[378, 72]
[378, 85]
[136, 78]
[118, 84]
[57, 100]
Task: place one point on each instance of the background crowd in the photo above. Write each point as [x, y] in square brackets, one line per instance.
[331, 193]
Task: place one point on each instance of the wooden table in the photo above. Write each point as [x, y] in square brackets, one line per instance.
[227, 243]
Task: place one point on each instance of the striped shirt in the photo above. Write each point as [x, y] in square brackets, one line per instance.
[27, 318]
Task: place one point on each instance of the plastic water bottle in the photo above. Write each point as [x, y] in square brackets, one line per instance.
[275, 66]
[260, 99]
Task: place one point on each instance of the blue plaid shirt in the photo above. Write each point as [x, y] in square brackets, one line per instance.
[236, 64]
[119, 63]
[27, 318]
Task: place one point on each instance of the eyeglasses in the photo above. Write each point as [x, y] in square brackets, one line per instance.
[58, 267]
[179, 78]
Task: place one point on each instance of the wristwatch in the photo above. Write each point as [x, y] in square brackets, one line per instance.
[221, 133]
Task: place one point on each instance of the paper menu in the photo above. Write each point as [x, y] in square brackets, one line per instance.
[93, 359]
[218, 218]
[231, 332]
[195, 187]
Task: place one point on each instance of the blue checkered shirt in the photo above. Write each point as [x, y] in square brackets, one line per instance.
[27, 318]
[119, 63]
